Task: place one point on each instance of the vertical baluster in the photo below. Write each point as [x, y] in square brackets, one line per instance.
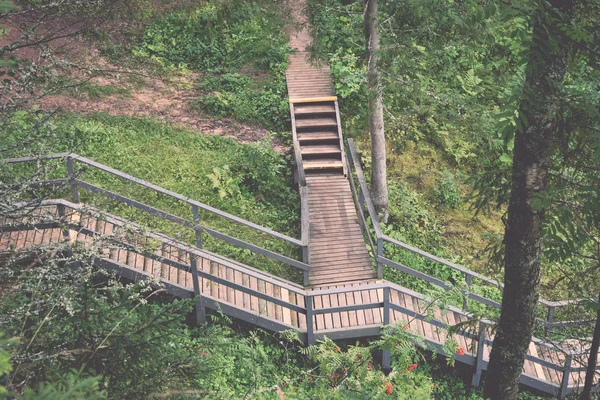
[71, 173]
[550, 319]
[197, 228]
[379, 254]
[386, 359]
[310, 331]
[199, 309]
[479, 357]
[565, 379]
[468, 280]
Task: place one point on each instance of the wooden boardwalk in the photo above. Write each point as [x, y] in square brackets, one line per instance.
[343, 298]
[268, 301]
[337, 248]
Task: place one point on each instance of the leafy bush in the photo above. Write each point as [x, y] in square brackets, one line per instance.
[247, 100]
[217, 36]
[260, 189]
[448, 193]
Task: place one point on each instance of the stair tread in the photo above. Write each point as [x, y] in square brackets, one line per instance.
[322, 164]
[310, 122]
[313, 109]
[322, 149]
[306, 136]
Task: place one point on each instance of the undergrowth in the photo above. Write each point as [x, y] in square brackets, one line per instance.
[249, 181]
[239, 47]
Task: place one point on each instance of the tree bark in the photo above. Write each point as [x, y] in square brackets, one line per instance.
[534, 145]
[592, 360]
[379, 192]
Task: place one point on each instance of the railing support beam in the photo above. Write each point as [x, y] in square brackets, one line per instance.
[476, 381]
[198, 227]
[199, 308]
[564, 385]
[386, 358]
[71, 173]
[310, 327]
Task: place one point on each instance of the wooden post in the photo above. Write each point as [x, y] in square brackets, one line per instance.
[310, 330]
[379, 254]
[199, 309]
[564, 385]
[386, 358]
[74, 188]
[468, 279]
[549, 319]
[479, 358]
[197, 228]
[62, 213]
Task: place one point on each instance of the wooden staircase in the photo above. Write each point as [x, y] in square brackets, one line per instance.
[317, 129]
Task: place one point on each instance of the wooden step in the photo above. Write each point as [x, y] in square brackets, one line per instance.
[317, 136]
[315, 122]
[320, 150]
[307, 108]
[322, 164]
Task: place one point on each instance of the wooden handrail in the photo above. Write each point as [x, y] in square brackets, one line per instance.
[157, 189]
[354, 161]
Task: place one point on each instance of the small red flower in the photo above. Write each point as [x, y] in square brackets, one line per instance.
[411, 367]
[310, 378]
[388, 388]
[358, 357]
[370, 366]
[335, 376]
[460, 351]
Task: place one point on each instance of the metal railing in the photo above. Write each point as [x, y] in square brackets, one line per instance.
[307, 304]
[75, 183]
[365, 204]
[302, 188]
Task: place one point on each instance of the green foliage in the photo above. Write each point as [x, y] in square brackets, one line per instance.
[254, 181]
[242, 42]
[448, 192]
[217, 36]
[261, 100]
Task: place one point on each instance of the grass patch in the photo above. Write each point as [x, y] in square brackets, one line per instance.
[251, 181]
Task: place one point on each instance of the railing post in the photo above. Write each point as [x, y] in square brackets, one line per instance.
[310, 331]
[197, 228]
[479, 357]
[199, 309]
[71, 173]
[564, 385]
[62, 213]
[469, 280]
[549, 319]
[386, 359]
[379, 254]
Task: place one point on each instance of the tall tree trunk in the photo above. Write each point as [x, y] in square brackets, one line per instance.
[533, 149]
[593, 360]
[379, 190]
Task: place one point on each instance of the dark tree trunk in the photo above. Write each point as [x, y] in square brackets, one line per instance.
[593, 360]
[533, 149]
[379, 191]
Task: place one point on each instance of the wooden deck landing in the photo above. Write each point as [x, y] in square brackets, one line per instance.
[220, 279]
[337, 248]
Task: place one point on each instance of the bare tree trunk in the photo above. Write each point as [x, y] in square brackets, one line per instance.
[379, 190]
[593, 359]
[533, 149]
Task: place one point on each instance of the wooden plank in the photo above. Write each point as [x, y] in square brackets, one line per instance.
[320, 319]
[358, 299]
[286, 314]
[344, 315]
[328, 318]
[336, 317]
